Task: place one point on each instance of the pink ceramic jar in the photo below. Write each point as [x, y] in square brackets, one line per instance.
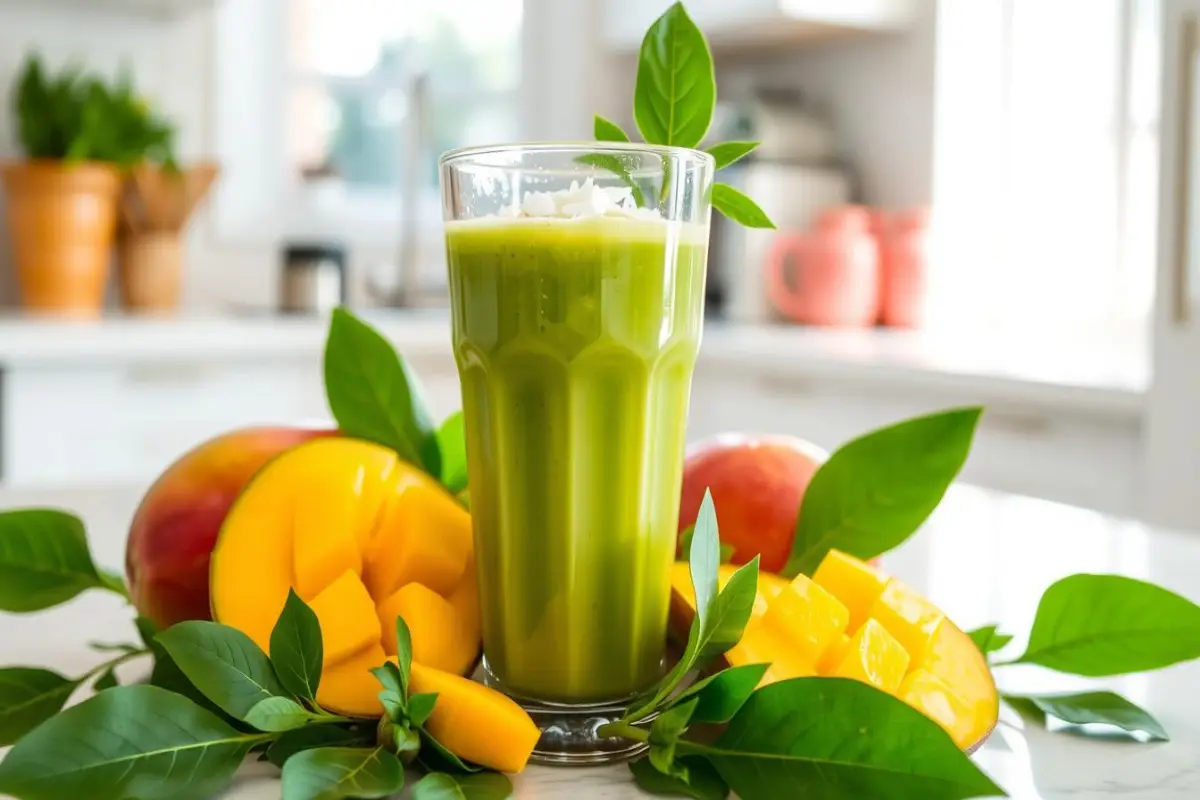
[829, 276]
[905, 256]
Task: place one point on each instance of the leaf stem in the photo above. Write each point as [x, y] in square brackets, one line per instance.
[622, 730]
[111, 663]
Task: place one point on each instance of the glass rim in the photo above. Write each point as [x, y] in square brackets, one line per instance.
[459, 154]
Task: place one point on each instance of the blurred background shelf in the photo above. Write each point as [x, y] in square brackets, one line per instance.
[154, 9]
[731, 24]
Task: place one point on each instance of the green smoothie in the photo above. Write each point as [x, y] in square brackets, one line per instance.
[575, 342]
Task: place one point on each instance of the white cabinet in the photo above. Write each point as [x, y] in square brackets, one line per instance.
[1172, 451]
[734, 22]
[109, 424]
[1072, 457]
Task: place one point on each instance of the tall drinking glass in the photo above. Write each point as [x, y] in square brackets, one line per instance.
[577, 303]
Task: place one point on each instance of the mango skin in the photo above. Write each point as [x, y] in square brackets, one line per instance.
[177, 522]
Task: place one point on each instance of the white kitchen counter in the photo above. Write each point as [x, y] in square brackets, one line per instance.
[1105, 378]
[984, 557]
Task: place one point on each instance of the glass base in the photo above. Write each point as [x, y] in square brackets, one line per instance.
[570, 732]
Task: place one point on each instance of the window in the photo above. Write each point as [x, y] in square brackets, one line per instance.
[1045, 162]
[363, 93]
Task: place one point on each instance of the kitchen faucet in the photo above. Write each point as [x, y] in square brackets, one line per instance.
[414, 143]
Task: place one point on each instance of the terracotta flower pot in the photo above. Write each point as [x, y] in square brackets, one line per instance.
[62, 219]
[150, 270]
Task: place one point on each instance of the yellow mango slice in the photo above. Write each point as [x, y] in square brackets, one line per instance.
[833, 654]
[325, 543]
[425, 537]
[374, 481]
[875, 657]
[931, 696]
[465, 599]
[440, 636]
[476, 723]
[856, 583]
[807, 617]
[347, 616]
[908, 616]
[336, 519]
[761, 645]
[954, 658]
[349, 688]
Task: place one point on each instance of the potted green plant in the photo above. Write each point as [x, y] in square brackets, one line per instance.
[79, 137]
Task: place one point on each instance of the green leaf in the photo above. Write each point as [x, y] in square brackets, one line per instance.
[605, 130]
[296, 648]
[374, 396]
[406, 742]
[738, 207]
[676, 88]
[727, 551]
[721, 695]
[705, 558]
[223, 663]
[862, 743]
[146, 629]
[722, 629]
[278, 714]
[435, 757]
[107, 680]
[28, 697]
[703, 782]
[612, 163]
[875, 491]
[403, 654]
[452, 444]
[44, 560]
[314, 736]
[484, 786]
[332, 773]
[989, 640]
[420, 706]
[1101, 625]
[132, 741]
[664, 735]
[1083, 708]
[728, 153]
[166, 675]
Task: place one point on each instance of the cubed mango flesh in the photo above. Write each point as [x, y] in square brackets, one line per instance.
[856, 583]
[348, 526]
[440, 636]
[347, 617]
[349, 688]
[934, 698]
[807, 617]
[908, 616]
[424, 537]
[833, 654]
[873, 656]
[325, 545]
[902, 643]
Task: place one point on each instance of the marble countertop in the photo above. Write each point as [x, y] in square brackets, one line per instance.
[984, 557]
[1107, 377]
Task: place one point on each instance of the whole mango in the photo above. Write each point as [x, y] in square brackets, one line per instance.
[175, 527]
[757, 484]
